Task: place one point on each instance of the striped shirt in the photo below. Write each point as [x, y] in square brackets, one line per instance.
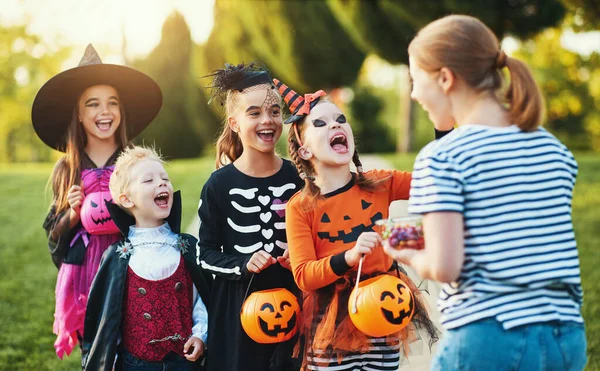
[514, 190]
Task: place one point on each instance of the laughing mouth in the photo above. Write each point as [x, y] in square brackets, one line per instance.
[104, 125]
[162, 200]
[266, 134]
[339, 143]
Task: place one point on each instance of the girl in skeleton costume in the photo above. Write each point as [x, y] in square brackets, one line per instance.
[330, 226]
[89, 112]
[242, 237]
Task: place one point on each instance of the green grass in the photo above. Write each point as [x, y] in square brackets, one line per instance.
[28, 276]
[586, 219]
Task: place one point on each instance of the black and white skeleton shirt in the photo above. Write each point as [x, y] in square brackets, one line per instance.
[240, 215]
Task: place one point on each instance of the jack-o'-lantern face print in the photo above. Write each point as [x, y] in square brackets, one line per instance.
[394, 306]
[270, 316]
[94, 215]
[350, 220]
[381, 305]
[277, 321]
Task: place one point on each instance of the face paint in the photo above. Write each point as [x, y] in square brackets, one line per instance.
[319, 123]
[271, 98]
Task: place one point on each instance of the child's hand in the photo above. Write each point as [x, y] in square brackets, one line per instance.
[259, 261]
[284, 260]
[365, 244]
[75, 198]
[195, 347]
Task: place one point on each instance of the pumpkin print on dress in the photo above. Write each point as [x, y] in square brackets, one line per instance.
[270, 316]
[384, 305]
[347, 228]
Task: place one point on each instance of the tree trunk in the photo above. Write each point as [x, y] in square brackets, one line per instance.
[404, 144]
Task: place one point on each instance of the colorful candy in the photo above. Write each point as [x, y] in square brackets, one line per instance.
[402, 232]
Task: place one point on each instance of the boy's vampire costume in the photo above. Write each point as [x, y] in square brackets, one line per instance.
[106, 311]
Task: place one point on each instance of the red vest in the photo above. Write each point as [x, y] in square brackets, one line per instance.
[154, 310]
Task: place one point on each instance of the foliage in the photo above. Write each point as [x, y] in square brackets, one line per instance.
[300, 41]
[571, 85]
[386, 27]
[371, 133]
[27, 64]
[185, 125]
[584, 15]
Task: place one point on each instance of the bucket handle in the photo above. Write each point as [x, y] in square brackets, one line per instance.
[360, 263]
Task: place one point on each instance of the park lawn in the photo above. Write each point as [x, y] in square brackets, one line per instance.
[28, 275]
[586, 219]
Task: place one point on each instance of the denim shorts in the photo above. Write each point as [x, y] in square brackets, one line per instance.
[485, 345]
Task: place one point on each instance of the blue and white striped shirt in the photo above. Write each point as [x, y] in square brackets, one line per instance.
[514, 190]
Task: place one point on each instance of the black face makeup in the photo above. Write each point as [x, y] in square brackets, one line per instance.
[318, 123]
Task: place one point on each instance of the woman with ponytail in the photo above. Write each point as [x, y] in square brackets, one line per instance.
[329, 227]
[495, 195]
[242, 239]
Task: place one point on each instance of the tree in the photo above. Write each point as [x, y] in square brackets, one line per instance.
[571, 87]
[185, 124]
[371, 133]
[386, 27]
[27, 65]
[584, 15]
[301, 42]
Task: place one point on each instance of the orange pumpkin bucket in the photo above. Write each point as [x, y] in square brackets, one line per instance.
[270, 316]
[381, 305]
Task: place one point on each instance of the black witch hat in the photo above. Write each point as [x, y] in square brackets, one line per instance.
[54, 103]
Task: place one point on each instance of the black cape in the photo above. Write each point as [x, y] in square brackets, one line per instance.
[105, 302]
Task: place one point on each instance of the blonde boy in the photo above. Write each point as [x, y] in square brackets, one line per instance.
[148, 292]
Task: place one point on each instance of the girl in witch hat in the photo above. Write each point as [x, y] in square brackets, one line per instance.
[90, 113]
[329, 227]
[242, 238]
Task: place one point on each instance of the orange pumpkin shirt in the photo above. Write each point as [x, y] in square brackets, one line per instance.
[318, 238]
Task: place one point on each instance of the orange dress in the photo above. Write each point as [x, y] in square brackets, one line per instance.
[317, 241]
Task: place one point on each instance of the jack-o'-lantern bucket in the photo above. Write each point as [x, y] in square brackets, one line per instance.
[270, 316]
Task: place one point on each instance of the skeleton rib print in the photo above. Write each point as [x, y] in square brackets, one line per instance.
[269, 212]
[240, 215]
